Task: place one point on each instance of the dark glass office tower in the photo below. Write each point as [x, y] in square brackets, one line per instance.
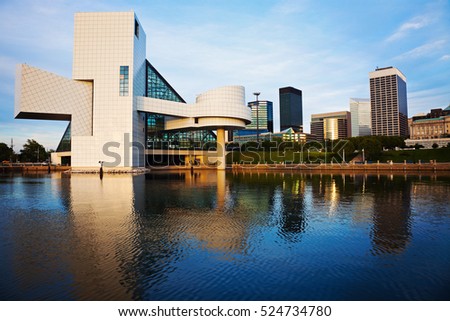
[291, 109]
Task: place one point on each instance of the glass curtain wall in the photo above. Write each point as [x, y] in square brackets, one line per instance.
[157, 137]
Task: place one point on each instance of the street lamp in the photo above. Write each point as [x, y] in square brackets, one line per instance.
[257, 115]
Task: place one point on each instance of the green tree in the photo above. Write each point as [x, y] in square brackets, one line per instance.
[390, 142]
[435, 146]
[33, 152]
[372, 147]
[5, 152]
[349, 149]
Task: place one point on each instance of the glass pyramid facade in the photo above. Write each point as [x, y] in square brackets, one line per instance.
[65, 143]
[157, 137]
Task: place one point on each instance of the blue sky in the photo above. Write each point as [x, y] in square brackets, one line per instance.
[324, 48]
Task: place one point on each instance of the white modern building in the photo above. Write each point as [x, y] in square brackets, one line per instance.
[360, 115]
[118, 104]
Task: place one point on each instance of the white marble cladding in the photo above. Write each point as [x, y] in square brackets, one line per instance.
[54, 98]
[139, 89]
[224, 103]
[103, 42]
[211, 123]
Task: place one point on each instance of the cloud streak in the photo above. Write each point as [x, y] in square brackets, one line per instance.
[405, 29]
[423, 50]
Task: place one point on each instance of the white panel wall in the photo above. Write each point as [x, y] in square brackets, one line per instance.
[224, 103]
[102, 43]
[51, 96]
[139, 85]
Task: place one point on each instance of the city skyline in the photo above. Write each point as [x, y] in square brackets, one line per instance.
[325, 49]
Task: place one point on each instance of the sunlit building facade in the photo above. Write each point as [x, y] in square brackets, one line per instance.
[360, 117]
[262, 121]
[388, 100]
[431, 129]
[331, 126]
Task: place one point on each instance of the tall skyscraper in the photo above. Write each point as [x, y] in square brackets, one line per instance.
[335, 125]
[389, 106]
[291, 108]
[360, 114]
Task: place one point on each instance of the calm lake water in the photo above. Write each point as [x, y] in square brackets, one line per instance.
[224, 236]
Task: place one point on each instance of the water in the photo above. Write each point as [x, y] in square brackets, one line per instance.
[224, 236]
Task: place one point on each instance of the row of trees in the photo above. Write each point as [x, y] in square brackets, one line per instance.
[32, 152]
[372, 145]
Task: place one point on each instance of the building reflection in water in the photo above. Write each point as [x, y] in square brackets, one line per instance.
[103, 226]
[362, 200]
[391, 231]
[123, 237]
[291, 209]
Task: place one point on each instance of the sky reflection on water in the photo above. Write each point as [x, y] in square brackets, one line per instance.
[225, 236]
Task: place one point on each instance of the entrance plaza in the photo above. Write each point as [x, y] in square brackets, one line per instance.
[122, 113]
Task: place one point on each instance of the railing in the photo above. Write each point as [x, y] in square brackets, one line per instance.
[24, 164]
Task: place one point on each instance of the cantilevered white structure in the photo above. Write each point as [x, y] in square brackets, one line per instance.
[118, 105]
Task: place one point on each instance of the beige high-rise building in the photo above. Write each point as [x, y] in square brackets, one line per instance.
[389, 107]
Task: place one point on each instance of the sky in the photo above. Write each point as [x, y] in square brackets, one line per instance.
[324, 48]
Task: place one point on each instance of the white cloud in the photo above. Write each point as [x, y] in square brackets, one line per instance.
[423, 100]
[445, 58]
[415, 23]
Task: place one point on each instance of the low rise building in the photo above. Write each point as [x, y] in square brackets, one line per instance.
[435, 124]
[432, 129]
[334, 125]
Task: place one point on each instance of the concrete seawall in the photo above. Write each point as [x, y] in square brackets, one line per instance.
[20, 168]
[385, 167]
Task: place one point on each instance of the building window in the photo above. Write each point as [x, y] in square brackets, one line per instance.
[136, 28]
[123, 85]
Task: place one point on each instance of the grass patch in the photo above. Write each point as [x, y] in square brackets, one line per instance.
[265, 157]
[289, 156]
[413, 156]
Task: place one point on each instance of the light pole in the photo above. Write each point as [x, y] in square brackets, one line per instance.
[257, 115]
[364, 159]
[101, 169]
